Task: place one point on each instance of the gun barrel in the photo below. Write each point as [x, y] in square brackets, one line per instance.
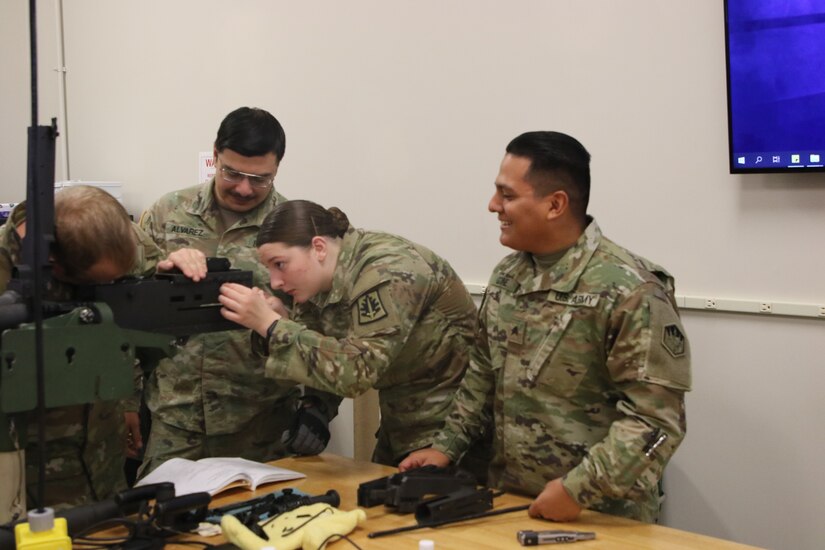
[331, 497]
[13, 310]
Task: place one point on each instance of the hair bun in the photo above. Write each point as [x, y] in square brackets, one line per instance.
[339, 219]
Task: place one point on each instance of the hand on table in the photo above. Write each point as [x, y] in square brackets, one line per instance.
[424, 457]
[554, 503]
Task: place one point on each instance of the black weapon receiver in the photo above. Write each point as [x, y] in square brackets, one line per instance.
[170, 303]
[405, 491]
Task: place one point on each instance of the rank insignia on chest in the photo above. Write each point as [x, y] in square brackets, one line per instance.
[502, 279]
[370, 308]
[673, 340]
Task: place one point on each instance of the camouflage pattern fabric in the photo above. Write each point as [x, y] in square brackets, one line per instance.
[258, 440]
[84, 443]
[85, 454]
[397, 319]
[588, 364]
[215, 385]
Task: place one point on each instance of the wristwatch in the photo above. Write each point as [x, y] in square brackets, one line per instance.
[260, 344]
[269, 331]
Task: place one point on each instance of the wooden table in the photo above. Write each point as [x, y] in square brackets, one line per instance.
[327, 471]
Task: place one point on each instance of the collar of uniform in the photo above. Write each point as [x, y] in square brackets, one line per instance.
[566, 272]
[205, 206]
[341, 279]
[14, 242]
[18, 214]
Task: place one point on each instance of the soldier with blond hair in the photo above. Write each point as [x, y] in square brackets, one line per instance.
[95, 242]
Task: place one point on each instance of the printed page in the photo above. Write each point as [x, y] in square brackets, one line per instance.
[193, 477]
[257, 472]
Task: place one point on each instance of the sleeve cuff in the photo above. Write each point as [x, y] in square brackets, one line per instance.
[283, 334]
[450, 445]
[578, 486]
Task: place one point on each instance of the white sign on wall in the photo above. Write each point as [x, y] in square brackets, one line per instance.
[206, 166]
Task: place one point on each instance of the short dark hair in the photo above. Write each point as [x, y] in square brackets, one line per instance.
[557, 162]
[295, 223]
[251, 132]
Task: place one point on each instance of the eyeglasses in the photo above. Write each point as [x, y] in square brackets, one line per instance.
[234, 176]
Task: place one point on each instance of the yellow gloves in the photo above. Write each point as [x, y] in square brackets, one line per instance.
[307, 527]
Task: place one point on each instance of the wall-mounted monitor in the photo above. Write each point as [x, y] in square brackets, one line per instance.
[776, 85]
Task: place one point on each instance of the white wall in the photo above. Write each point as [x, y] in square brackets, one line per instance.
[15, 89]
[750, 468]
[399, 112]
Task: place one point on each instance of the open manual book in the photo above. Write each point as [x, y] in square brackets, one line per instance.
[214, 475]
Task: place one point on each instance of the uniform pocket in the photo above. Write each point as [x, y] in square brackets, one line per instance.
[549, 343]
[553, 366]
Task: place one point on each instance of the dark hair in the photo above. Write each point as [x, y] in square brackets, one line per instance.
[295, 223]
[557, 162]
[251, 132]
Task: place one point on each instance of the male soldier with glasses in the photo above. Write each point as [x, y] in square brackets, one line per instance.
[212, 398]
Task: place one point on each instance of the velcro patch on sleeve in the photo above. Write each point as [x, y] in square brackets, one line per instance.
[370, 307]
[668, 358]
[673, 340]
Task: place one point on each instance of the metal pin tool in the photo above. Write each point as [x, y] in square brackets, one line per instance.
[533, 538]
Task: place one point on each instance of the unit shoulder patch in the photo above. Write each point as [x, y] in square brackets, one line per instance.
[673, 340]
[370, 307]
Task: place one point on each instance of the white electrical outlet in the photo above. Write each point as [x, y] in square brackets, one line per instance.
[765, 307]
[710, 303]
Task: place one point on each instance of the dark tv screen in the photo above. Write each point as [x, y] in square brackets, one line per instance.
[776, 85]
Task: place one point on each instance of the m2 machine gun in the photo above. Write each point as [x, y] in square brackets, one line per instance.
[57, 354]
[91, 344]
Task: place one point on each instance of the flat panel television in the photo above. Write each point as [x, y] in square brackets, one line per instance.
[776, 85]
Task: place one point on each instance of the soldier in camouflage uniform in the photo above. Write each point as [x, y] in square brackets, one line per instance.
[580, 346]
[96, 243]
[372, 310]
[212, 398]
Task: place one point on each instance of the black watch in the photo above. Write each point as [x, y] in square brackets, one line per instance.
[270, 330]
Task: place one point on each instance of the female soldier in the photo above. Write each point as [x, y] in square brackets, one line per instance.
[371, 310]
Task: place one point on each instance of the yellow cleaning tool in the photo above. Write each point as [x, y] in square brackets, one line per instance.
[308, 527]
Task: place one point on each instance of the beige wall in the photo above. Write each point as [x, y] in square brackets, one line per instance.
[398, 112]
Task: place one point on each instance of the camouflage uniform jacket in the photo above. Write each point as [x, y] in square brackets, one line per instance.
[85, 443]
[215, 385]
[588, 365]
[397, 319]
